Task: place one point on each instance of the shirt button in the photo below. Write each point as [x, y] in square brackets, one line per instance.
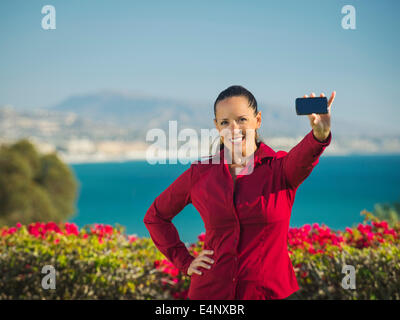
[235, 258]
[234, 279]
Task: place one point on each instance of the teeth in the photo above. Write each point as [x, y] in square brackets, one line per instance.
[237, 139]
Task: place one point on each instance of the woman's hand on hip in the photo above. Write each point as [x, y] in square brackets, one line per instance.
[200, 261]
[321, 123]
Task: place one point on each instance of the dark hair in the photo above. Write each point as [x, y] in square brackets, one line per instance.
[238, 91]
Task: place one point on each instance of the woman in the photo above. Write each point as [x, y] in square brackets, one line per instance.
[245, 201]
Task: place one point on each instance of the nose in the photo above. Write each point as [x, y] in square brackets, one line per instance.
[234, 127]
[235, 130]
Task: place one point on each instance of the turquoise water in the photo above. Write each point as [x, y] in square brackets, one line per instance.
[335, 193]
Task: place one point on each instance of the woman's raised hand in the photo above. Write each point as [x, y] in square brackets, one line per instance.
[200, 261]
[321, 123]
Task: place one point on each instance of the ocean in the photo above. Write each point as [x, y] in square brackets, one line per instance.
[335, 193]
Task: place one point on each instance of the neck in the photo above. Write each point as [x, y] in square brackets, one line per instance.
[240, 159]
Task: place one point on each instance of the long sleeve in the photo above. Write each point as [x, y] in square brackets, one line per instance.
[158, 220]
[302, 158]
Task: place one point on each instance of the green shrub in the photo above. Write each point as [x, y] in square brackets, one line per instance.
[94, 267]
[34, 187]
[102, 262]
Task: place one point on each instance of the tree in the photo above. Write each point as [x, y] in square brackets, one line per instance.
[34, 187]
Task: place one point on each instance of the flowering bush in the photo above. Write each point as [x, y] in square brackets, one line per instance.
[101, 262]
[97, 262]
[318, 255]
[315, 239]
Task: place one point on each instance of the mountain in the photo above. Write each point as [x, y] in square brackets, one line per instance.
[137, 114]
[140, 114]
[112, 122]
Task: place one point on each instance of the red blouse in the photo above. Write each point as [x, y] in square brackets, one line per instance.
[246, 225]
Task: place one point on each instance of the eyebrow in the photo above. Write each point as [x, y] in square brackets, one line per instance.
[244, 115]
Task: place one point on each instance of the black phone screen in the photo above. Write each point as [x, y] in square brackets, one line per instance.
[311, 105]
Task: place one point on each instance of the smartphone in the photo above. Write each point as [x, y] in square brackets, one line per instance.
[311, 105]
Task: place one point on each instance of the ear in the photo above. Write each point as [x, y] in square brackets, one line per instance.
[258, 119]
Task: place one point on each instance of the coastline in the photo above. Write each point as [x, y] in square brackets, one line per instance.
[84, 159]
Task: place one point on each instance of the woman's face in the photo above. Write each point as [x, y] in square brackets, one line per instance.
[236, 123]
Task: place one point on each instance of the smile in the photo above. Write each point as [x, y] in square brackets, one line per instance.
[237, 139]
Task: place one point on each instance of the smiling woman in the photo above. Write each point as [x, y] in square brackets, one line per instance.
[237, 119]
[245, 205]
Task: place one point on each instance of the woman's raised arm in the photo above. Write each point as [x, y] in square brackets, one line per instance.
[302, 158]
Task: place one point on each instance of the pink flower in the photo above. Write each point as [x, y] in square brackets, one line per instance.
[71, 228]
[108, 229]
[349, 230]
[12, 230]
[202, 237]
[132, 238]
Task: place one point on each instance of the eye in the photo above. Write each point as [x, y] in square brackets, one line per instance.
[223, 122]
[243, 119]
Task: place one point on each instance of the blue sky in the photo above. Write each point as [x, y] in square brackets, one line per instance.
[192, 50]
